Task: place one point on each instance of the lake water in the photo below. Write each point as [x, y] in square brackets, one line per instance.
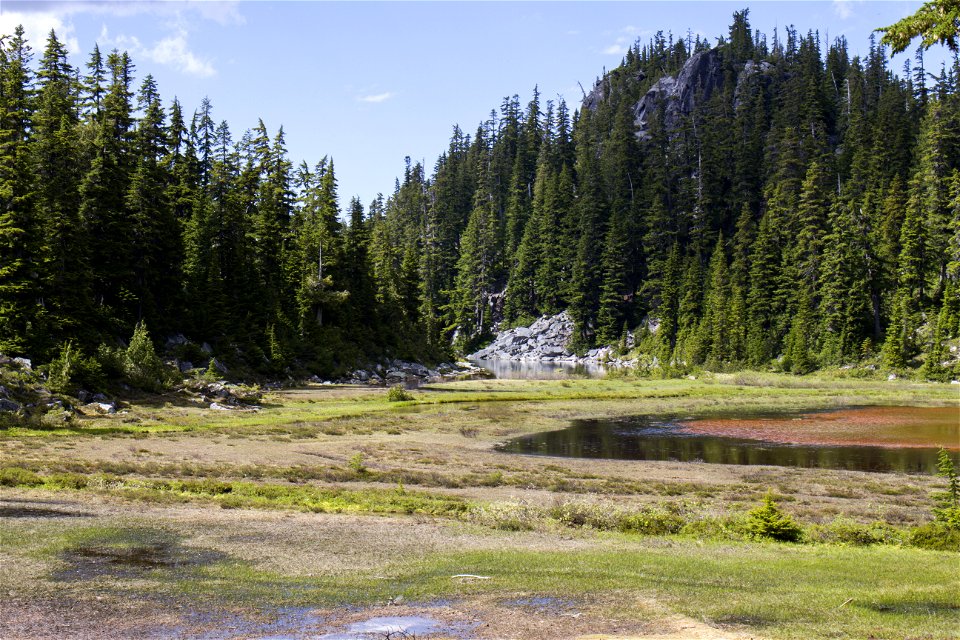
[862, 439]
[539, 370]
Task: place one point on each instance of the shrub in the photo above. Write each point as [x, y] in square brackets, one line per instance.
[769, 522]
[142, 366]
[584, 514]
[398, 394]
[60, 370]
[19, 477]
[507, 516]
[936, 536]
[67, 481]
[211, 374]
[651, 522]
[844, 531]
[356, 464]
[71, 369]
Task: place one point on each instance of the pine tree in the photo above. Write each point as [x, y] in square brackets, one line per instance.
[156, 251]
[67, 309]
[586, 275]
[479, 264]
[102, 202]
[19, 238]
[667, 313]
[714, 340]
[762, 339]
[900, 345]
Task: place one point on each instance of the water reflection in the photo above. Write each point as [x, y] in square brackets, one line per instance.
[644, 439]
[540, 370]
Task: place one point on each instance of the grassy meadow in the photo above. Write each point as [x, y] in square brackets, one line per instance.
[332, 504]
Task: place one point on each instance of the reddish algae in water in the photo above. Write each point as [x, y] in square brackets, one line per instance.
[864, 426]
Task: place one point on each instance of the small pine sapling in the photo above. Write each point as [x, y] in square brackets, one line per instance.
[769, 522]
[947, 510]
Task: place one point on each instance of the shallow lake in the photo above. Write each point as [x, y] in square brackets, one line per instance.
[904, 439]
[539, 370]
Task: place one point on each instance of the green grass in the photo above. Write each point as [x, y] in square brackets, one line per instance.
[776, 590]
[780, 590]
[684, 517]
[245, 495]
[320, 414]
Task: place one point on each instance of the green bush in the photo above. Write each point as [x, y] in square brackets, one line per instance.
[398, 394]
[507, 516]
[651, 522]
[71, 370]
[584, 514]
[769, 522]
[356, 464]
[142, 366]
[936, 536]
[19, 477]
[844, 531]
[67, 481]
[60, 370]
[206, 486]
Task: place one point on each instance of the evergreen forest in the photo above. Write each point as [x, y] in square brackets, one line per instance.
[796, 207]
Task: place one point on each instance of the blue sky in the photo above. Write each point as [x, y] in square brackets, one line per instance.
[371, 82]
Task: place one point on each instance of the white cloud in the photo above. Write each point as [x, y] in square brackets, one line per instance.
[616, 49]
[843, 8]
[173, 50]
[628, 35]
[377, 97]
[220, 11]
[179, 17]
[37, 27]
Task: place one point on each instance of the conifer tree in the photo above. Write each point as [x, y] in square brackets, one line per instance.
[66, 305]
[102, 200]
[19, 238]
[667, 313]
[586, 274]
[714, 339]
[480, 261]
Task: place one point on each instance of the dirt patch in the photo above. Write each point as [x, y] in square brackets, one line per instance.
[15, 511]
[132, 554]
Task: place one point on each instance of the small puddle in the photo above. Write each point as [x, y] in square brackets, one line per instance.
[399, 627]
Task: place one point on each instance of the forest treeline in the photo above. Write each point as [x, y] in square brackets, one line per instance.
[803, 213]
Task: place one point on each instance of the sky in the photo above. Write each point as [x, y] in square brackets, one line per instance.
[368, 83]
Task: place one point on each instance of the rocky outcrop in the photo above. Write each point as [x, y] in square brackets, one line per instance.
[546, 340]
[701, 75]
[752, 72]
[674, 97]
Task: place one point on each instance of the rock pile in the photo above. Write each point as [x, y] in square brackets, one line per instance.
[545, 340]
[224, 396]
[401, 372]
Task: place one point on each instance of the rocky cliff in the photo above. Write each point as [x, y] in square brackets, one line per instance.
[701, 76]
